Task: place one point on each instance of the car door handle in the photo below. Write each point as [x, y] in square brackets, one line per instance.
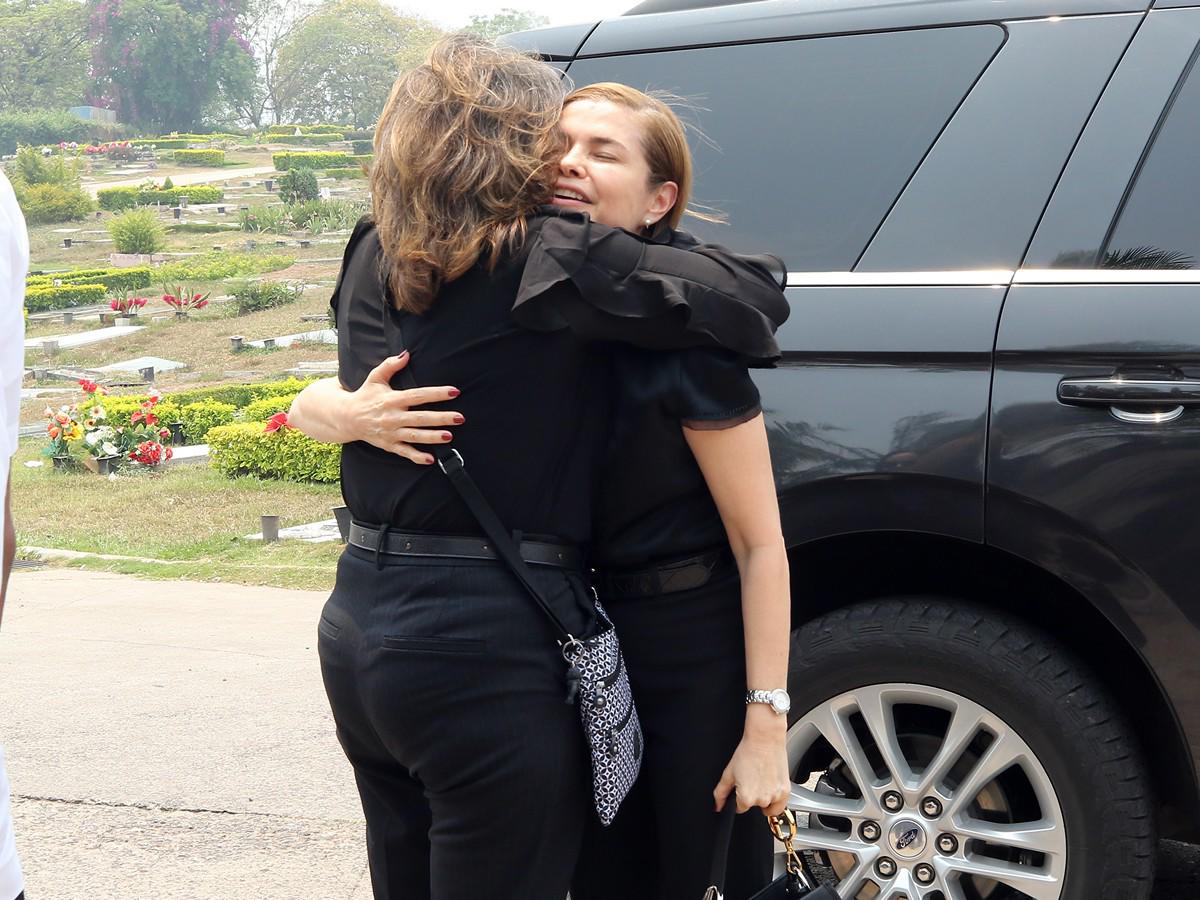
[1126, 396]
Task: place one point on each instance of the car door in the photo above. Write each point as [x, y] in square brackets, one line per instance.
[1095, 418]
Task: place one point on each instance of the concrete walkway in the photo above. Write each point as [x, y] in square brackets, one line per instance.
[172, 740]
[200, 176]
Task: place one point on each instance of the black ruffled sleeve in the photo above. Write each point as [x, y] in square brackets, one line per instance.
[608, 284]
[358, 303]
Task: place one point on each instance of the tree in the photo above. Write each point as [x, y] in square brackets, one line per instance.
[339, 64]
[43, 55]
[268, 26]
[505, 22]
[165, 64]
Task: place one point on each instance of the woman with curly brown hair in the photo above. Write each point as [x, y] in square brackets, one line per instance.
[443, 677]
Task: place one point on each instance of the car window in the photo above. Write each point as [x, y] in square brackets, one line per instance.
[1159, 225]
[807, 143]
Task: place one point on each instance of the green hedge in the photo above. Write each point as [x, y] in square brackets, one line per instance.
[49, 204]
[348, 172]
[197, 417]
[244, 448]
[363, 158]
[305, 138]
[163, 143]
[121, 198]
[39, 299]
[130, 279]
[317, 159]
[306, 129]
[363, 147]
[43, 126]
[261, 410]
[235, 396]
[200, 157]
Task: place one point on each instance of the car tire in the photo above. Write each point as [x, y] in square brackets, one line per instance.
[897, 654]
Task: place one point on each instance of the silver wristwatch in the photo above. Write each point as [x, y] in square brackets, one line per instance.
[777, 699]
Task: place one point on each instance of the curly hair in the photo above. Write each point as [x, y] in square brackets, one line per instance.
[467, 146]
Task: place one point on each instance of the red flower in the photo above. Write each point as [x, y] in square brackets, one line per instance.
[90, 387]
[276, 422]
[151, 419]
[164, 432]
[136, 417]
[115, 304]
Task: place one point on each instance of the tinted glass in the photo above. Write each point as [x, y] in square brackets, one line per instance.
[809, 142]
[1159, 228]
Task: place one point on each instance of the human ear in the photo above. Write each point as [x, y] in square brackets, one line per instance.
[661, 201]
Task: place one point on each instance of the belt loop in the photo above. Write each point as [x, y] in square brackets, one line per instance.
[382, 538]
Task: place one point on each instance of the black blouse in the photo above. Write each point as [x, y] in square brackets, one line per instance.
[537, 405]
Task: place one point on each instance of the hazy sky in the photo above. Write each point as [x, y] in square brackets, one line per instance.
[452, 13]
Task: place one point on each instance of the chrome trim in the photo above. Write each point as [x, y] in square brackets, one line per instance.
[1107, 276]
[1147, 418]
[948, 278]
[993, 277]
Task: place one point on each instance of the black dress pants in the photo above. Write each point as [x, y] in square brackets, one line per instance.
[448, 693]
[687, 665]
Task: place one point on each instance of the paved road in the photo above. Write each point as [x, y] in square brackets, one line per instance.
[171, 741]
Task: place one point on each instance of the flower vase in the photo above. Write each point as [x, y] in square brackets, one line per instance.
[101, 465]
[64, 463]
[122, 321]
[181, 314]
[177, 435]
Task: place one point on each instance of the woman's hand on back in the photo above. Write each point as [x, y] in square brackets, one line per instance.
[376, 413]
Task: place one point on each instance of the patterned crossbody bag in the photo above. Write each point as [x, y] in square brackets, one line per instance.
[597, 681]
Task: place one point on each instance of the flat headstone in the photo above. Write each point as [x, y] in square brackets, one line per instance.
[324, 336]
[313, 532]
[193, 453]
[305, 369]
[144, 362]
[65, 230]
[84, 337]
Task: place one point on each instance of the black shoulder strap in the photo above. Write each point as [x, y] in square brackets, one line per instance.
[452, 464]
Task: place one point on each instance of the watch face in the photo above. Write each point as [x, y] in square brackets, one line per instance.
[780, 701]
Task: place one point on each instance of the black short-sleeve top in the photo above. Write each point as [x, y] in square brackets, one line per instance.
[655, 505]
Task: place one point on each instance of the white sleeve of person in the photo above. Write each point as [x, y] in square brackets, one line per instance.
[14, 263]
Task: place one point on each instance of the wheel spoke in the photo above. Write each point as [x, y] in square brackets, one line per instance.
[877, 712]
[856, 878]
[815, 803]
[964, 726]
[835, 729]
[1000, 754]
[1044, 835]
[1037, 883]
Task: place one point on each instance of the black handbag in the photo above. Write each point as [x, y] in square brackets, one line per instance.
[597, 680]
[793, 884]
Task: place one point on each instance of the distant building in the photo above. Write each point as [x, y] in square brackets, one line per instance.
[94, 114]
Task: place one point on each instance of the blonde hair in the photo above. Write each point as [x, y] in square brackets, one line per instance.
[664, 141]
[468, 145]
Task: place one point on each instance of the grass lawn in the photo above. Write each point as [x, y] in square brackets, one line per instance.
[190, 519]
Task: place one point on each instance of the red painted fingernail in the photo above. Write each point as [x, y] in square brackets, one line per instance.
[429, 460]
[454, 392]
[458, 420]
[446, 436]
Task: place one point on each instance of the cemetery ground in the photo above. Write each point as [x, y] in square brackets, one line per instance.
[183, 519]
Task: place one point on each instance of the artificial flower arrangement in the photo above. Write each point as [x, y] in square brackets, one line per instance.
[183, 299]
[85, 425]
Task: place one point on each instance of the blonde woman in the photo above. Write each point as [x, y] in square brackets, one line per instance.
[443, 677]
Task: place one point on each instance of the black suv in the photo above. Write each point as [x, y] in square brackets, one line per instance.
[985, 427]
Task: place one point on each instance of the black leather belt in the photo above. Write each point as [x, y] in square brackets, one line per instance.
[404, 543]
[669, 578]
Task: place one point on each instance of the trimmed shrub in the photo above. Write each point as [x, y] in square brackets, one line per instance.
[253, 296]
[349, 172]
[117, 410]
[137, 231]
[44, 126]
[198, 417]
[363, 148]
[360, 134]
[245, 449]
[298, 184]
[218, 265]
[45, 204]
[261, 410]
[320, 216]
[163, 143]
[200, 157]
[306, 129]
[130, 279]
[362, 159]
[39, 299]
[305, 138]
[119, 198]
[316, 159]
